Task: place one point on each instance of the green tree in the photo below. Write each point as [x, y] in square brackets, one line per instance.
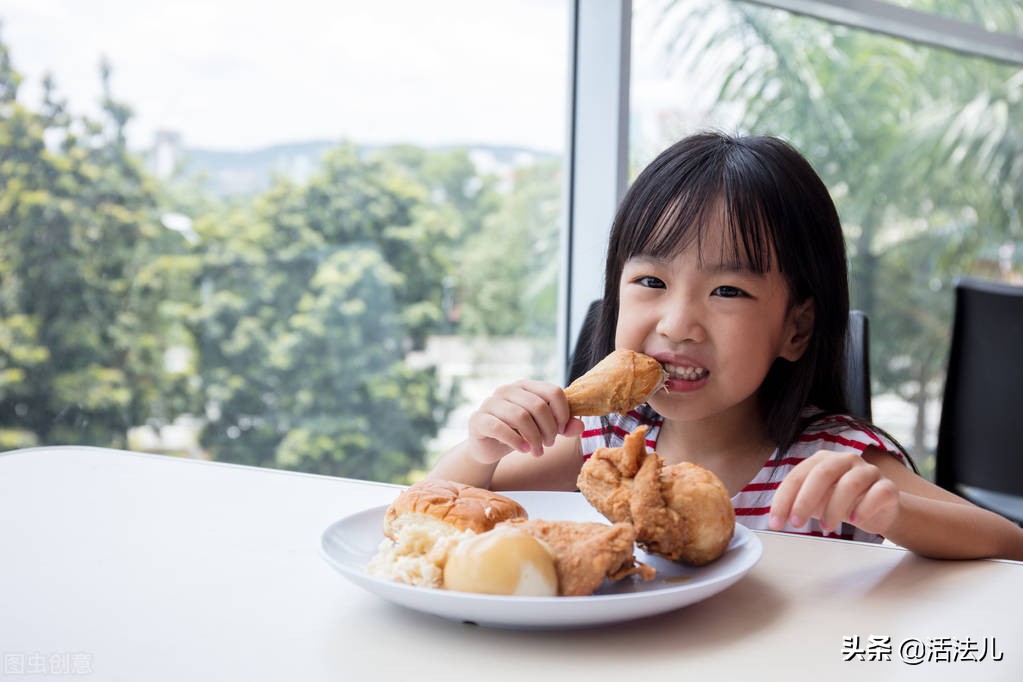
[298, 311]
[310, 301]
[509, 269]
[82, 348]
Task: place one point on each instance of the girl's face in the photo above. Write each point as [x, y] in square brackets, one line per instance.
[715, 327]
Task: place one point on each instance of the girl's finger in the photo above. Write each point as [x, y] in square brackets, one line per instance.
[556, 401]
[574, 427]
[486, 430]
[824, 472]
[784, 496]
[537, 411]
[521, 421]
[848, 492]
[876, 511]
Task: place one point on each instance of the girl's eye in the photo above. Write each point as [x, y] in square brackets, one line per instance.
[650, 282]
[728, 292]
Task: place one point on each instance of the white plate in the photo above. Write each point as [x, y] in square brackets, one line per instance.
[349, 543]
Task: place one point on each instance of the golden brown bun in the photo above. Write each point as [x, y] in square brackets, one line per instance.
[618, 383]
[462, 506]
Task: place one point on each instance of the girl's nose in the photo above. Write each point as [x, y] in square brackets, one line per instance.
[681, 322]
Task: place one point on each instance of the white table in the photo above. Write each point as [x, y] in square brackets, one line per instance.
[124, 566]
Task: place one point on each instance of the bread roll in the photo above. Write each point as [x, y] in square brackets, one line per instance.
[427, 520]
[461, 506]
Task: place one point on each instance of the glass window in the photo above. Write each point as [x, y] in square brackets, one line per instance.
[993, 15]
[305, 235]
[919, 146]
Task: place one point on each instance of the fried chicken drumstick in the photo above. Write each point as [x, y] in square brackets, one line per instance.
[586, 553]
[618, 383]
[682, 512]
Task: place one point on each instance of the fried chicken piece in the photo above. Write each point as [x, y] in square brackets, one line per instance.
[587, 553]
[682, 512]
[618, 383]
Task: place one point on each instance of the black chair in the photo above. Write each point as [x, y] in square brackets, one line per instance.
[980, 438]
[580, 363]
[857, 358]
[857, 365]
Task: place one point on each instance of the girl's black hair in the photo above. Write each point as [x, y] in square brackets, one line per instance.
[778, 214]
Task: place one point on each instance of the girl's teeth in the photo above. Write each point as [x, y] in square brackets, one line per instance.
[687, 373]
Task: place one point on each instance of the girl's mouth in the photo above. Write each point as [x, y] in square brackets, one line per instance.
[685, 373]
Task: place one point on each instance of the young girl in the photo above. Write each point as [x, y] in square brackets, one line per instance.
[726, 263]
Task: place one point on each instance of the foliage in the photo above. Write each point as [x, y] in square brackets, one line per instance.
[509, 269]
[290, 316]
[81, 348]
[305, 301]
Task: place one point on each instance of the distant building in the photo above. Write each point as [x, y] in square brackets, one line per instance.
[166, 153]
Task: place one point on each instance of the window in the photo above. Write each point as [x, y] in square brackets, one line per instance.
[920, 147]
[315, 237]
[302, 235]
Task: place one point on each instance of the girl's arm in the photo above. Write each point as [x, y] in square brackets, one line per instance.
[878, 494]
[521, 438]
[937, 523]
[556, 469]
[458, 464]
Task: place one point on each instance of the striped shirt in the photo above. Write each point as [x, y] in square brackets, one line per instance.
[836, 433]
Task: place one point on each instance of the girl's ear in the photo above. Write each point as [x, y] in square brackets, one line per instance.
[798, 330]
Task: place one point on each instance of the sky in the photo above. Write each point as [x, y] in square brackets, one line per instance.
[245, 74]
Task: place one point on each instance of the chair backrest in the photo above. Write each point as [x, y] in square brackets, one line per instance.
[981, 429]
[580, 362]
[857, 358]
[857, 365]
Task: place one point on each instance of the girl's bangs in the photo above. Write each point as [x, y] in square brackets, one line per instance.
[747, 244]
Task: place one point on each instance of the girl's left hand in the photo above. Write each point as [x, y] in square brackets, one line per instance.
[836, 487]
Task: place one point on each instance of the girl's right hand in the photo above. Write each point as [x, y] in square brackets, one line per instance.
[524, 416]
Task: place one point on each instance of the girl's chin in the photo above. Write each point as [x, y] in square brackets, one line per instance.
[698, 405]
[678, 406]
